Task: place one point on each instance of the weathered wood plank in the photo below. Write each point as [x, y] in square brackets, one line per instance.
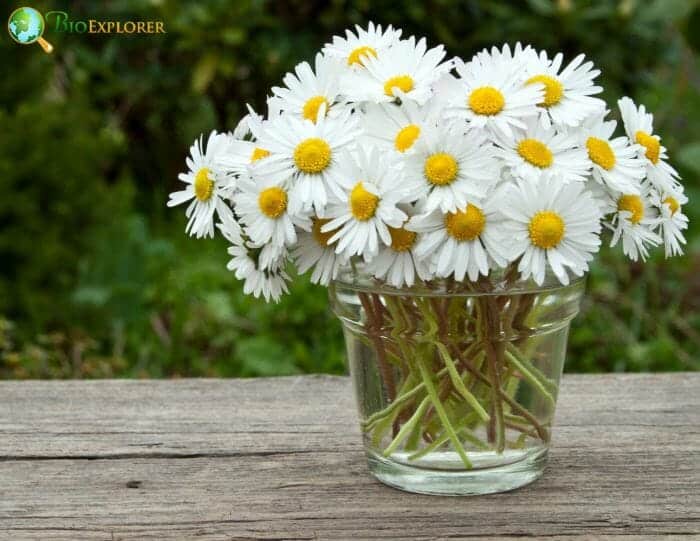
[281, 458]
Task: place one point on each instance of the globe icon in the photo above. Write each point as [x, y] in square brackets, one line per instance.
[26, 25]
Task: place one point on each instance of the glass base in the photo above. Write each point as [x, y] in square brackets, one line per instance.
[485, 478]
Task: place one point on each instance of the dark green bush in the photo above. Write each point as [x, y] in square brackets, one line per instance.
[97, 278]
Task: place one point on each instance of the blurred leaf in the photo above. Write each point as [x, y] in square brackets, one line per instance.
[691, 29]
[204, 72]
[689, 156]
[666, 10]
[542, 7]
[264, 357]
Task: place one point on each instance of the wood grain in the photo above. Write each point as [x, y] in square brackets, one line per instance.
[281, 458]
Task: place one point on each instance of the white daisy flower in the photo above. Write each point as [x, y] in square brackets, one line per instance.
[602, 196]
[451, 167]
[264, 209]
[398, 264]
[308, 154]
[535, 151]
[551, 224]
[407, 67]
[614, 162]
[639, 126]
[568, 92]
[242, 129]
[243, 148]
[489, 91]
[504, 58]
[461, 243]
[241, 155]
[634, 223]
[307, 90]
[268, 281]
[368, 206]
[397, 127]
[231, 231]
[250, 126]
[354, 47]
[207, 186]
[672, 221]
[314, 249]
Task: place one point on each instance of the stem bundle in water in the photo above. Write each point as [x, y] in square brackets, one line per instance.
[460, 374]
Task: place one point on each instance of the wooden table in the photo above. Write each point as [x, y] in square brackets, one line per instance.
[281, 458]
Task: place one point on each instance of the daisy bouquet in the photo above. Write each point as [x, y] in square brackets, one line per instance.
[385, 162]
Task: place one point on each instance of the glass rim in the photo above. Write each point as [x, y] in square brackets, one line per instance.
[361, 281]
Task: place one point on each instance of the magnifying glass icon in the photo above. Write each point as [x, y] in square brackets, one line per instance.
[26, 25]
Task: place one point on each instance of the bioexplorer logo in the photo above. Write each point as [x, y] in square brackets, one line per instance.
[26, 26]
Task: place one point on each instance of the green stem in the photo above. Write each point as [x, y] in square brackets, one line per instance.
[414, 437]
[494, 354]
[518, 419]
[541, 431]
[408, 426]
[512, 382]
[520, 428]
[459, 384]
[466, 434]
[400, 399]
[430, 387]
[497, 402]
[530, 378]
[374, 325]
[381, 427]
[429, 448]
[546, 382]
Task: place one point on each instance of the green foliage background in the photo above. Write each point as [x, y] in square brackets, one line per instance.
[97, 279]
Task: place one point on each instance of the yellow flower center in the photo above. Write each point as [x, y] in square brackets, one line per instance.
[356, 56]
[535, 152]
[363, 204]
[486, 100]
[311, 107]
[203, 185]
[599, 152]
[406, 137]
[402, 82]
[401, 239]
[465, 225]
[321, 237]
[553, 89]
[546, 229]
[312, 155]
[441, 169]
[673, 204]
[633, 204]
[651, 143]
[258, 154]
[273, 202]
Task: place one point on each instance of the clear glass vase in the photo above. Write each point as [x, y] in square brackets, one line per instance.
[456, 384]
